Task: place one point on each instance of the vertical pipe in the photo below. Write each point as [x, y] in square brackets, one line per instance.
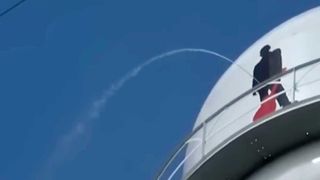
[204, 127]
[294, 86]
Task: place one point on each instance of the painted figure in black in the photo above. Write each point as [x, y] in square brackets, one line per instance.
[269, 65]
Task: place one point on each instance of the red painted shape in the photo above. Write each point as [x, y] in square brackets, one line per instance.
[268, 106]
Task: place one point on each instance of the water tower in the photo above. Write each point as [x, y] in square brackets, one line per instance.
[264, 126]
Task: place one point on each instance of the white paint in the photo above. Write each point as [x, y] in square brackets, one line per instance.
[316, 160]
[299, 40]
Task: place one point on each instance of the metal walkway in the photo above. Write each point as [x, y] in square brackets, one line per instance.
[257, 144]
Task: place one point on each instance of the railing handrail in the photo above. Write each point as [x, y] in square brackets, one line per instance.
[220, 110]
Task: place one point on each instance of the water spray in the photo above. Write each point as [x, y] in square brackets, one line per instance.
[76, 133]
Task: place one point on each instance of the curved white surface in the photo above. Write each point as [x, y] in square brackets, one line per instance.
[299, 41]
[302, 164]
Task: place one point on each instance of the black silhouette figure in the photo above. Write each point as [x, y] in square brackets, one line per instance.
[269, 65]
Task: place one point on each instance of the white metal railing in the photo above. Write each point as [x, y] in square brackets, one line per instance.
[204, 134]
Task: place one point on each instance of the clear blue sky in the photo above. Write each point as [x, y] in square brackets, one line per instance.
[57, 57]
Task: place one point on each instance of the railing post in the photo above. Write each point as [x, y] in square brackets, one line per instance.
[294, 86]
[203, 142]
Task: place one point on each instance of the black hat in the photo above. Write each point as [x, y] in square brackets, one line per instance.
[265, 50]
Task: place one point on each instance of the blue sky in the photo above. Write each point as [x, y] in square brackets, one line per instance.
[58, 57]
